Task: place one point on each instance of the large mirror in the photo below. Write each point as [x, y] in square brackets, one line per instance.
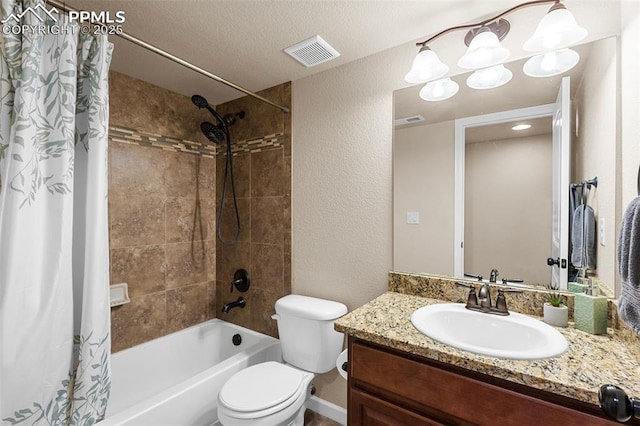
[494, 208]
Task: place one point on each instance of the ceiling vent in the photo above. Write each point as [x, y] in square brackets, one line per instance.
[312, 52]
[408, 120]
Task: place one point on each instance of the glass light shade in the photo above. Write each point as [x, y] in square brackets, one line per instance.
[551, 63]
[426, 67]
[556, 30]
[484, 51]
[439, 90]
[489, 78]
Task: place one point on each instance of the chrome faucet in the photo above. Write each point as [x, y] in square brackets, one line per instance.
[240, 303]
[493, 277]
[482, 301]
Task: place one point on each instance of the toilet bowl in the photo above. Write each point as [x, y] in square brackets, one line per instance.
[272, 393]
[265, 394]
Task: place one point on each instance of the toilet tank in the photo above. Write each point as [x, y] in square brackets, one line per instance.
[307, 337]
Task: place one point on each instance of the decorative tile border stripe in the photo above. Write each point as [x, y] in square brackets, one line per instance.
[140, 138]
[264, 143]
[152, 140]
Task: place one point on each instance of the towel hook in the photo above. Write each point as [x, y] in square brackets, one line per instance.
[592, 182]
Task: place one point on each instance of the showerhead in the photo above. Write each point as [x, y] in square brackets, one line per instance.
[199, 101]
[214, 133]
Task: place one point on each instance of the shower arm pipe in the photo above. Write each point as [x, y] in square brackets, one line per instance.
[485, 22]
[135, 40]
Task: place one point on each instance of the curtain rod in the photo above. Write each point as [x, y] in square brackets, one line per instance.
[66, 9]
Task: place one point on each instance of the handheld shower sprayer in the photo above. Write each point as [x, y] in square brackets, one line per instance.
[217, 134]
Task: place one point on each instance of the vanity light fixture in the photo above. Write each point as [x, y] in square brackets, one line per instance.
[557, 30]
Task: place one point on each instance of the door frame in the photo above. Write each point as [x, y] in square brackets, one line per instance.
[461, 124]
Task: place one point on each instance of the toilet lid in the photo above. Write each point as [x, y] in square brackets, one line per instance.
[260, 387]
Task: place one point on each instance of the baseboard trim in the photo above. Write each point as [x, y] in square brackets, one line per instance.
[328, 409]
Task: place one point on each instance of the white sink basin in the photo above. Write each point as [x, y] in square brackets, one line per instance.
[515, 336]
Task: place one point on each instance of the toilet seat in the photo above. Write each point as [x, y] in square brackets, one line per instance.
[262, 389]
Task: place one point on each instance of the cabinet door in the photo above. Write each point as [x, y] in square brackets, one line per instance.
[432, 389]
[367, 410]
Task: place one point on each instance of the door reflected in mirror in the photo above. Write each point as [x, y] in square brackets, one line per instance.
[506, 218]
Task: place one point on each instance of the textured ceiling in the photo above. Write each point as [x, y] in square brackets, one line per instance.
[243, 41]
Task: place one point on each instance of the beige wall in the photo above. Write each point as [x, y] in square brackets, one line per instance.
[595, 148]
[423, 182]
[342, 185]
[507, 207]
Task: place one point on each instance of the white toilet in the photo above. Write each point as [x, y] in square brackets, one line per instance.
[271, 393]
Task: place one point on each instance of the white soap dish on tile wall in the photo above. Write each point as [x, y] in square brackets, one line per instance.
[119, 294]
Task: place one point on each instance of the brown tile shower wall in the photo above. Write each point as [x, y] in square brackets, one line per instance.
[263, 187]
[161, 216]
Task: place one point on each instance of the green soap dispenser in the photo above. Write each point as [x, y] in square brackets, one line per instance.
[590, 312]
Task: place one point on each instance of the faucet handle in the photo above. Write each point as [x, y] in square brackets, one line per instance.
[501, 301]
[472, 299]
[240, 281]
[477, 277]
[506, 281]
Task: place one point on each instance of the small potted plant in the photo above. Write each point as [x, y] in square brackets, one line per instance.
[556, 313]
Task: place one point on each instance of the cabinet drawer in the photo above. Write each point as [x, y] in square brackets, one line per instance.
[367, 410]
[464, 398]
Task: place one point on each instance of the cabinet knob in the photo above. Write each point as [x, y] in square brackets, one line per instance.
[617, 405]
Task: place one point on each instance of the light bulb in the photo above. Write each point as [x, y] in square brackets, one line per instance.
[489, 78]
[551, 63]
[439, 90]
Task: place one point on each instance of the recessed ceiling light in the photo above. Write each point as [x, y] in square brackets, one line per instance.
[521, 127]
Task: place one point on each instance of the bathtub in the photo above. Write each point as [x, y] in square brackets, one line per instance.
[175, 380]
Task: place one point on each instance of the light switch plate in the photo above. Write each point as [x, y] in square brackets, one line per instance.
[413, 218]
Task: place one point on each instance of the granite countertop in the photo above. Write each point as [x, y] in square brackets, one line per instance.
[590, 362]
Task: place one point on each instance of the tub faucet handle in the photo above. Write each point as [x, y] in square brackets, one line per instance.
[240, 281]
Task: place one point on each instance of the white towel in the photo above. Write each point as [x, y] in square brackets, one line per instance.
[629, 266]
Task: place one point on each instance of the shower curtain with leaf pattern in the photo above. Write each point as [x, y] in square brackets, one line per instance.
[54, 274]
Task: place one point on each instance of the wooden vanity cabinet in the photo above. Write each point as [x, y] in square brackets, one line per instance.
[388, 387]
